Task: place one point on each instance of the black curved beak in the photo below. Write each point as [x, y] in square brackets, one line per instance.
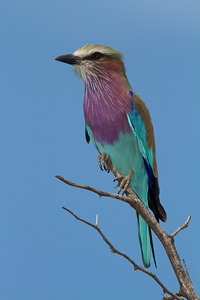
[69, 59]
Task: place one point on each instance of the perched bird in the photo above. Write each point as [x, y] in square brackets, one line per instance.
[118, 123]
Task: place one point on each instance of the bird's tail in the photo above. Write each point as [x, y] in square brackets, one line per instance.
[146, 242]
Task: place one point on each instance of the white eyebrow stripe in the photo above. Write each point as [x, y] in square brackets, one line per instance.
[89, 49]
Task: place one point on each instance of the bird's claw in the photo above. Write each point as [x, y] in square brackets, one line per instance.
[104, 162]
[123, 182]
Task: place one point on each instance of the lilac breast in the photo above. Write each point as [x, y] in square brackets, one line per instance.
[105, 112]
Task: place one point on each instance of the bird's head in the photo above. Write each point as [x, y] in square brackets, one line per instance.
[95, 61]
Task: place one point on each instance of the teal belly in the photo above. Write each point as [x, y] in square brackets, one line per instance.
[126, 156]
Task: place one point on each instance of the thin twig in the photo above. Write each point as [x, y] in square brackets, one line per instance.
[114, 250]
[185, 225]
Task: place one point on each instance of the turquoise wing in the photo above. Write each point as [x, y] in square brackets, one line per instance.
[141, 125]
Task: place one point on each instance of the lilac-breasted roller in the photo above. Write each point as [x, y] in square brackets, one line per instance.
[118, 123]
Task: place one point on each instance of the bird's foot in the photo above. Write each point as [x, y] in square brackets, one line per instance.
[123, 182]
[104, 162]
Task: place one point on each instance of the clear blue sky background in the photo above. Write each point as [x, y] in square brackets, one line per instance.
[44, 252]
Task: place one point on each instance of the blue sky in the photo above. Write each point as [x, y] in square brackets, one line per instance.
[45, 253]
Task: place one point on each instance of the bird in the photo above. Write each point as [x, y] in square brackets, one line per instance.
[118, 123]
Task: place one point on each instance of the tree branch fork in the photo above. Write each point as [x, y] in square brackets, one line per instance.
[186, 289]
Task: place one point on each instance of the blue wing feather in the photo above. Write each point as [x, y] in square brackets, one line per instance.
[138, 128]
[87, 137]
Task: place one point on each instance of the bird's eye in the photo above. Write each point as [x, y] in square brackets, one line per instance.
[96, 55]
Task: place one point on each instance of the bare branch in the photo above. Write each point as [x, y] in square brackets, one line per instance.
[171, 297]
[186, 288]
[94, 190]
[185, 225]
[114, 250]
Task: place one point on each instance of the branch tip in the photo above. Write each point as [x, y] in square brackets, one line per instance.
[185, 225]
[97, 220]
